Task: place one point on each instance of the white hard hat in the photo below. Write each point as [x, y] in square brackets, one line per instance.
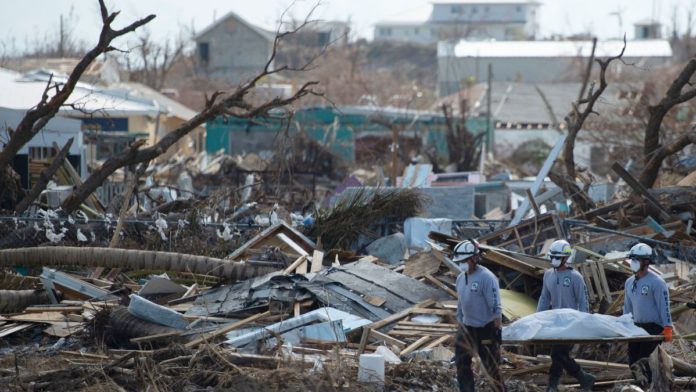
[465, 250]
[560, 248]
[640, 251]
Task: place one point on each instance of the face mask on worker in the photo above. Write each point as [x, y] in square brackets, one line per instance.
[556, 262]
[635, 265]
[464, 266]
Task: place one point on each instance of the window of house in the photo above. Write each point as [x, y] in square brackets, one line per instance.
[474, 10]
[204, 51]
[519, 8]
[456, 9]
[416, 31]
[42, 153]
[486, 9]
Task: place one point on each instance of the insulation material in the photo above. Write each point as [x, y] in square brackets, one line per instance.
[571, 324]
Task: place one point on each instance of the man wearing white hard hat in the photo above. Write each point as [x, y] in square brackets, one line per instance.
[480, 318]
[646, 296]
[564, 288]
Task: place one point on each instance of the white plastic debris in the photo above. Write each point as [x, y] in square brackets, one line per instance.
[81, 237]
[388, 355]
[571, 324]
[371, 368]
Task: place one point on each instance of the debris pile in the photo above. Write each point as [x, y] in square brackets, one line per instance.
[234, 289]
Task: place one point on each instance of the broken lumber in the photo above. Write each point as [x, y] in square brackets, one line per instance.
[225, 329]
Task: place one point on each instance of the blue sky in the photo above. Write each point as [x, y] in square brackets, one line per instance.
[20, 22]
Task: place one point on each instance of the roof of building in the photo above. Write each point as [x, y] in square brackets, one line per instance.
[521, 104]
[523, 49]
[489, 2]
[265, 32]
[167, 105]
[411, 16]
[25, 91]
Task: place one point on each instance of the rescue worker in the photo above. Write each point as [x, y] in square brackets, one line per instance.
[646, 296]
[564, 288]
[480, 319]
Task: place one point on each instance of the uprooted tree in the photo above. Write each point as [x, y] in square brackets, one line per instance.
[221, 103]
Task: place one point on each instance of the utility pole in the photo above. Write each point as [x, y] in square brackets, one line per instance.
[489, 127]
[394, 153]
[61, 39]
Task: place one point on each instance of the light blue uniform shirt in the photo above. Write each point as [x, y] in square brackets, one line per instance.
[648, 299]
[479, 298]
[563, 290]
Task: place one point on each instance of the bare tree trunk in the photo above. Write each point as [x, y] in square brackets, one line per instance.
[46, 176]
[652, 167]
[35, 119]
[576, 118]
[653, 152]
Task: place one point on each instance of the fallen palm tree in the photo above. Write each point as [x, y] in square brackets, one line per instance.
[129, 259]
[16, 300]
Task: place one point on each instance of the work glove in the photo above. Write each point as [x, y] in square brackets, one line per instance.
[667, 333]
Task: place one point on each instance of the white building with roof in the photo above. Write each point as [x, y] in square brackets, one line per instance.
[462, 19]
[465, 62]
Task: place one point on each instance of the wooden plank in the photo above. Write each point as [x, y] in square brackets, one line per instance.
[317, 261]
[583, 269]
[405, 328]
[84, 355]
[651, 338]
[227, 328]
[439, 341]
[388, 339]
[302, 268]
[296, 309]
[363, 340]
[595, 277]
[155, 337]
[404, 313]
[57, 309]
[603, 281]
[441, 285]
[400, 332]
[45, 317]
[374, 300]
[504, 260]
[535, 207]
[63, 328]
[438, 325]
[292, 244]
[415, 345]
[640, 189]
[439, 312]
[543, 368]
[14, 328]
[97, 272]
[292, 267]
[190, 291]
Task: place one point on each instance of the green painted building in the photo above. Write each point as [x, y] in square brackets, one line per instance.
[340, 128]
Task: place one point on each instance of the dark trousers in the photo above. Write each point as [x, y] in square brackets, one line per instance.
[470, 342]
[560, 359]
[639, 350]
